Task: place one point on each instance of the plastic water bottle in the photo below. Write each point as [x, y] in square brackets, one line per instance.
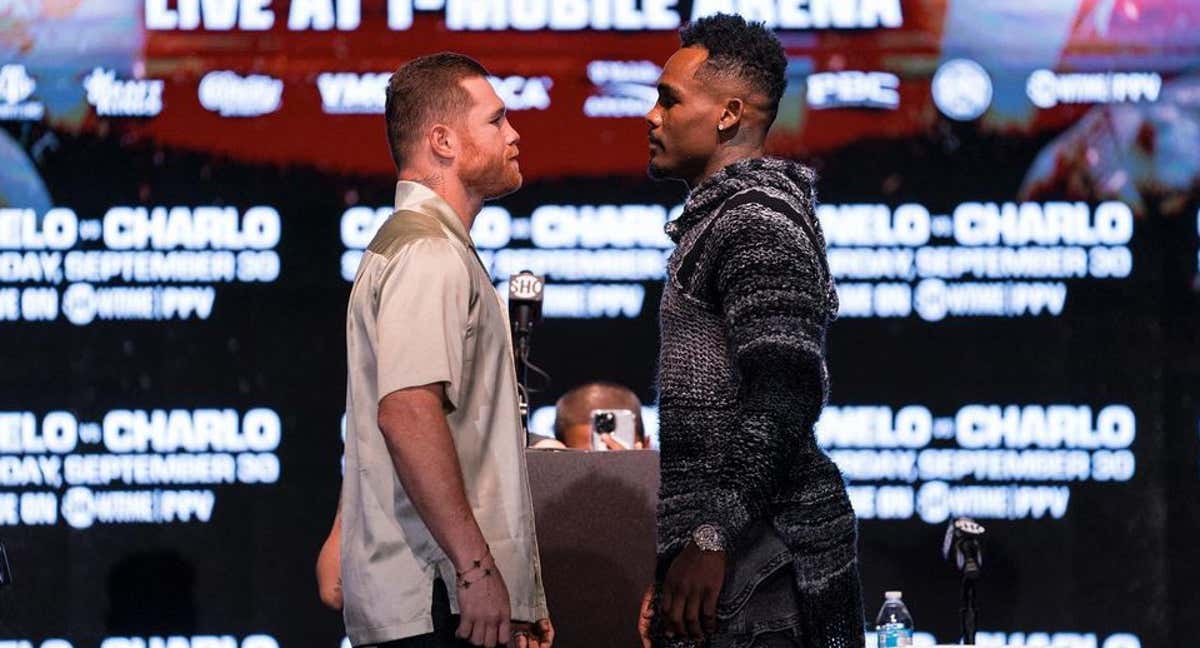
[894, 625]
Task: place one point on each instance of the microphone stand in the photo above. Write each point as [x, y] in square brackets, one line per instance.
[524, 308]
[521, 351]
[969, 611]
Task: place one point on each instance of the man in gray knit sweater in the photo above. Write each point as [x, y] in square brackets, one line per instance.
[756, 536]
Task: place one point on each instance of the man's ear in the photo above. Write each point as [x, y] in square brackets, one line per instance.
[731, 114]
[443, 141]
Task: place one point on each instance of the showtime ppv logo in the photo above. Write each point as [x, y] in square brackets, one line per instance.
[1047, 89]
[349, 93]
[113, 97]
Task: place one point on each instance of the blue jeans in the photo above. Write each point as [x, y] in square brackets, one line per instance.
[759, 605]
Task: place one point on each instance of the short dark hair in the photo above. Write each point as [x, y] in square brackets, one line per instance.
[424, 89]
[748, 51]
[570, 408]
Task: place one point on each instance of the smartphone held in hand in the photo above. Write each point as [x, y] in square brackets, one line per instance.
[619, 424]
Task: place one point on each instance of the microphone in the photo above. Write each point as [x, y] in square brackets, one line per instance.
[525, 310]
[524, 302]
[964, 541]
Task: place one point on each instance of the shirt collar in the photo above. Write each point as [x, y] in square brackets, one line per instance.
[414, 196]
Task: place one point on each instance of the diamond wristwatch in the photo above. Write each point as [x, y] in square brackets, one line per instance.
[707, 537]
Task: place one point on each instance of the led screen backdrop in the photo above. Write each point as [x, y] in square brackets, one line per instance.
[1009, 192]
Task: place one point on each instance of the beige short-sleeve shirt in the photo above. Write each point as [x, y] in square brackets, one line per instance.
[423, 310]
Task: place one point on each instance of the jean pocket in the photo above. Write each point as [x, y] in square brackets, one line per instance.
[759, 595]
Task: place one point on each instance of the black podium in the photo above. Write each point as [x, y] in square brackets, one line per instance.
[595, 525]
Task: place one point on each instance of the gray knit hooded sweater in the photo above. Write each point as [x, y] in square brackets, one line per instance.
[742, 379]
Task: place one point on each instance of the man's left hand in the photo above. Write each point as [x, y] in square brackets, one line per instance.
[533, 635]
[689, 593]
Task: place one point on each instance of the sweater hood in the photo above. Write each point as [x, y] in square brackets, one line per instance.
[706, 197]
[755, 173]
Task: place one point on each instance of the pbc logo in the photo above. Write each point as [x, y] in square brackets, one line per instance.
[853, 89]
[16, 86]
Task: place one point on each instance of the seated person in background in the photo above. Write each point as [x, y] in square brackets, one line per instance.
[573, 415]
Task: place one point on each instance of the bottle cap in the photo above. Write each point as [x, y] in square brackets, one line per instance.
[893, 595]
